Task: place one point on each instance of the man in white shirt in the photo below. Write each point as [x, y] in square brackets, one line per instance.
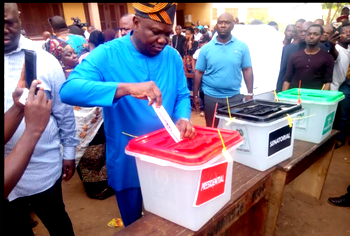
[40, 185]
[341, 53]
[341, 82]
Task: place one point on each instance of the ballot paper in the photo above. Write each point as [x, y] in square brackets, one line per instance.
[25, 93]
[24, 96]
[167, 122]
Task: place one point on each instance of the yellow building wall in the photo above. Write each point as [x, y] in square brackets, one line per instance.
[198, 11]
[73, 10]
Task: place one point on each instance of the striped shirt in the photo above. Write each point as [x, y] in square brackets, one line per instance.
[45, 166]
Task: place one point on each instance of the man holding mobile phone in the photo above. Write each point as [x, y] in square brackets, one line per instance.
[40, 185]
[341, 54]
[339, 49]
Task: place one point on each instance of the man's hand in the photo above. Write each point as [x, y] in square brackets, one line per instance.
[186, 129]
[37, 110]
[22, 80]
[248, 97]
[333, 39]
[143, 90]
[68, 169]
[16, 95]
[197, 103]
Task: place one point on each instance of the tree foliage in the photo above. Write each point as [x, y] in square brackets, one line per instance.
[334, 10]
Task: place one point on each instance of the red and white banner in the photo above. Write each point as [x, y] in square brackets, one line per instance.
[211, 185]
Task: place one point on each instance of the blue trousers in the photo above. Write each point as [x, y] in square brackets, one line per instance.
[130, 204]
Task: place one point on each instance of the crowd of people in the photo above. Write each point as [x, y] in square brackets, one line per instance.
[96, 87]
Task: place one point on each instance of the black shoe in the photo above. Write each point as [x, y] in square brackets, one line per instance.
[342, 201]
[338, 144]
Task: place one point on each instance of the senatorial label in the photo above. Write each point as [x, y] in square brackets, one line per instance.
[279, 140]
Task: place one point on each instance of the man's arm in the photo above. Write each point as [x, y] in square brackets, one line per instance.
[14, 116]
[94, 91]
[286, 53]
[285, 85]
[182, 107]
[328, 76]
[332, 50]
[201, 66]
[37, 114]
[247, 70]
[197, 80]
[289, 74]
[327, 86]
[65, 119]
[249, 81]
[141, 91]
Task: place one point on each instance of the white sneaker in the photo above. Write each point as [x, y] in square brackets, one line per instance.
[201, 114]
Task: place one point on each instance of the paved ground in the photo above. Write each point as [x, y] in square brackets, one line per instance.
[299, 216]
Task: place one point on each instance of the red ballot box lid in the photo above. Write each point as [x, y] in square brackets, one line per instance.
[204, 147]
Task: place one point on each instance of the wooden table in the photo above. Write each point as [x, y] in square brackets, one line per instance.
[256, 196]
[247, 207]
[308, 168]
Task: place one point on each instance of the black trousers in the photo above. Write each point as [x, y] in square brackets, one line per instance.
[210, 103]
[343, 112]
[48, 206]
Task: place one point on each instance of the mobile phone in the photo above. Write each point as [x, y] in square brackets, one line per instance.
[30, 67]
[336, 28]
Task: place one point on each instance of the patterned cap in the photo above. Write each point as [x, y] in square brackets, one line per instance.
[163, 12]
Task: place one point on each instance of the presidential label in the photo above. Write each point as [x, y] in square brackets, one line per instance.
[279, 139]
[211, 184]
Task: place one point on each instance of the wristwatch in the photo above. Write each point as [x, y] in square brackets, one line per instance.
[186, 119]
[249, 94]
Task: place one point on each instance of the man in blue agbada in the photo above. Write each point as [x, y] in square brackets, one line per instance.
[140, 64]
